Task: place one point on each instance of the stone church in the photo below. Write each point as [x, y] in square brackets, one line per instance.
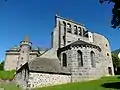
[76, 55]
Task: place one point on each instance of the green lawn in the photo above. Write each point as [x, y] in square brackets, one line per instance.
[8, 75]
[105, 83]
[10, 86]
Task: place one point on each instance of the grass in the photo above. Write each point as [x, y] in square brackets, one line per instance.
[105, 83]
[9, 86]
[7, 74]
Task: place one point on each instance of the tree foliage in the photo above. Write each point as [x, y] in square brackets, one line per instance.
[115, 22]
[116, 60]
[7, 74]
[2, 65]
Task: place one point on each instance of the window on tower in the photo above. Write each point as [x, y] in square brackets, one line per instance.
[69, 28]
[79, 31]
[64, 40]
[64, 26]
[107, 54]
[75, 30]
[110, 70]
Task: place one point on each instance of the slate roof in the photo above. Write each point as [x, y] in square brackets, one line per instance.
[26, 38]
[78, 43]
[47, 65]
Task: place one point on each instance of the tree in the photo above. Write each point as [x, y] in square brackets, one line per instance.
[115, 22]
[2, 65]
[116, 62]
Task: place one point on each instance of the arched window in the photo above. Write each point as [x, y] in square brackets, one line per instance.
[68, 28]
[75, 30]
[92, 55]
[64, 60]
[80, 58]
[79, 31]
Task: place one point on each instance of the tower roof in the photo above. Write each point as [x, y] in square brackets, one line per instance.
[26, 38]
[25, 41]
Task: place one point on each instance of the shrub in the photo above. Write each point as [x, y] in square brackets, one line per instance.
[7, 74]
[2, 65]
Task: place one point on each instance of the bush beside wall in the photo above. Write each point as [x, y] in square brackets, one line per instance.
[7, 75]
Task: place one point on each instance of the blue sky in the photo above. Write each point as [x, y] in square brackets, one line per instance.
[35, 18]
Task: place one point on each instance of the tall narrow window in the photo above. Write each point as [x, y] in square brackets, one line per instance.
[64, 60]
[110, 70]
[75, 30]
[64, 40]
[64, 26]
[68, 28]
[92, 55]
[64, 37]
[79, 31]
[80, 59]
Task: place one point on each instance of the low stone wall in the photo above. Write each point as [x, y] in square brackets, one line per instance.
[45, 79]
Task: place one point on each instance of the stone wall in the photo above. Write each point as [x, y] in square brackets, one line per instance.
[21, 78]
[46, 79]
[103, 43]
[11, 59]
[85, 72]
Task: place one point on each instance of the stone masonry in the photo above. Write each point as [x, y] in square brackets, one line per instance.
[45, 79]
